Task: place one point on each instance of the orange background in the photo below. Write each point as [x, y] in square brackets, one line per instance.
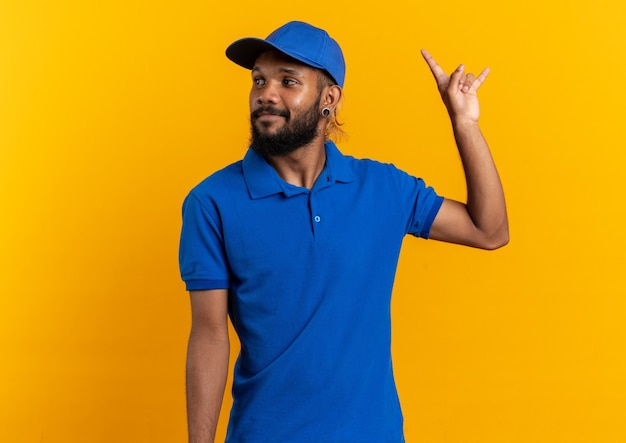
[111, 111]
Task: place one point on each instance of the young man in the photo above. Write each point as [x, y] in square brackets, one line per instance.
[299, 245]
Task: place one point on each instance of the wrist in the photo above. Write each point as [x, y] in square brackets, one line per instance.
[464, 124]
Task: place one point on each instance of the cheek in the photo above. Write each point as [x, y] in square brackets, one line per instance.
[298, 102]
[305, 100]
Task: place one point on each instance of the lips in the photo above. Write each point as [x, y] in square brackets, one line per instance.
[268, 115]
[269, 112]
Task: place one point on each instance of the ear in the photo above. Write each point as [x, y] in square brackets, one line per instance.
[331, 95]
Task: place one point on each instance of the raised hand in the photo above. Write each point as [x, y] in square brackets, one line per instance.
[458, 90]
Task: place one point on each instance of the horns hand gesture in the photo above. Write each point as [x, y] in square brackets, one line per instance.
[458, 90]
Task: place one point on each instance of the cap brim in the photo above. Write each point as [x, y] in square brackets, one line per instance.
[244, 52]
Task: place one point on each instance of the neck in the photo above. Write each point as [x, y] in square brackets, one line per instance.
[303, 166]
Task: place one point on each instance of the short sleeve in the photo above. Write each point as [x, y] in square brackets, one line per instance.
[422, 203]
[202, 259]
[427, 205]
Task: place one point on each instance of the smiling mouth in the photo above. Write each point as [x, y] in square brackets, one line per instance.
[267, 121]
[268, 113]
[269, 116]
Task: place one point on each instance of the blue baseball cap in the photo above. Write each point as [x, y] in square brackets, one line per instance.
[301, 41]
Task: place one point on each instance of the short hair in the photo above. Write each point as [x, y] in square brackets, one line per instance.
[333, 128]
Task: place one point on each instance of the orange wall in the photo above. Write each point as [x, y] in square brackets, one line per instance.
[111, 111]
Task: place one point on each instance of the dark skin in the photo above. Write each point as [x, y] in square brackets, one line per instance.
[482, 221]
[284, 83]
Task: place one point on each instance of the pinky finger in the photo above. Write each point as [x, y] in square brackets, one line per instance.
[481, 78]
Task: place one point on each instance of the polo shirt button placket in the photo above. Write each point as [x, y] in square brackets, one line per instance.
[316, 218]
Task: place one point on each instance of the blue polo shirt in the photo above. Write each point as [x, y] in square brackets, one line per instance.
[310, 275]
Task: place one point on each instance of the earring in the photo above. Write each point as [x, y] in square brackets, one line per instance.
[326, 112]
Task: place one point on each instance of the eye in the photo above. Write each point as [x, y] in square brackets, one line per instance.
[258, 81]
[289, 82]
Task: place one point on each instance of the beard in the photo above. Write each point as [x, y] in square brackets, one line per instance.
[295, 133]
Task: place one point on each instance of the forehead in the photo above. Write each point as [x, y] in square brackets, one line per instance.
[274, 60]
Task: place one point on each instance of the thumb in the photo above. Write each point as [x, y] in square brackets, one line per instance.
[455, 78]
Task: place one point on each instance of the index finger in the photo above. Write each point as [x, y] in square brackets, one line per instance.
[438, 73]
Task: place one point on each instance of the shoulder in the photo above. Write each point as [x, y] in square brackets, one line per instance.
[346, 167]
[376, 170]
[226, 181]
[389, 181]
[216, 191]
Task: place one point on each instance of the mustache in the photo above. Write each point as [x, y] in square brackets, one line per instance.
[269, 110]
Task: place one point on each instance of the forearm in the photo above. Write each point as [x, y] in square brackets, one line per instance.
[207, 370]
[485, 196]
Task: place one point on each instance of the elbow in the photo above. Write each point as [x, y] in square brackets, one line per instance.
[497, 240]
[497, 244]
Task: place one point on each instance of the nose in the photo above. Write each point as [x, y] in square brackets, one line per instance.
[268, 94]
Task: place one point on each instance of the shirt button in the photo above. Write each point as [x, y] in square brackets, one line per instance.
[317, 219]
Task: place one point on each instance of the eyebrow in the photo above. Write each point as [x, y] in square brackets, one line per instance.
[282, 70]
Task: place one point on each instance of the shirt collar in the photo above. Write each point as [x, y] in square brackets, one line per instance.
[262, 180]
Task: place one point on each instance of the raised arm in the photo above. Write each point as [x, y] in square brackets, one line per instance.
[207, 362]
[482, 221]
